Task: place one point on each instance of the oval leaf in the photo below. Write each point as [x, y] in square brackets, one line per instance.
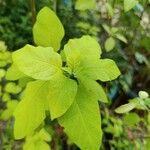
[62, 92]
[38, 62]
[48, 31]
[30, 112]
[125, 108]
[82, 121]
[109, 44]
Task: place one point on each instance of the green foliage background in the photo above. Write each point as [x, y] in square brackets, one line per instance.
[124, 34]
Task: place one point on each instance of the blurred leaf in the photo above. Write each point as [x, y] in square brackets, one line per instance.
[3, 63]
[84, 4]
[109, 44]
[129, 4]
[114, 30]
[13, 73]
[6, 114]
[140, 103]
[3, 47]
[145, 43]
[148, 118]
[147, 144]
[131, 119]
[23, 81]
[143, 94]
[139, 7]
[147, 102]
[141, 58]
[121, 37]
[6, 97]
[13, 88]
[107, 29]
[126, 107]
[38, 141]
[5, 56]
[2, 73]
[44, 135]
[110, 9]
[114, 129]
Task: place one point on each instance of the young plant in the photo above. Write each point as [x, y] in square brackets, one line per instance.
[67, 87]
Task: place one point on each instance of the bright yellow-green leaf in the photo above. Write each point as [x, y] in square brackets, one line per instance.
[44, 135]
[107, 70]
[109, 44]
[83, 58]
[85, 4]
[6, 114]
[30, 112]
[6, 97]
[5, 56]
[38, 141]
[129, 4]
[62, 92]
[3, 46]
[2, 73]
[82, 121]
[94, 89]
[83, 49]
[3, 63]
[12, 87]
[103, 70]
[48, 31]
[23, 81]
[13, 73]
[36, 145]
[38, 62]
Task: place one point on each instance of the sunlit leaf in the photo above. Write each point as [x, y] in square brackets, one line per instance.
[13, 73]
[83, 49]
[82, 121]
[38, 141]
[62, 92]
[8, 112]
[38, 62]
[48, 31]
[30, 112]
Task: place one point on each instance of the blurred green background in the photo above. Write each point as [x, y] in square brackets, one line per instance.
[124, 35]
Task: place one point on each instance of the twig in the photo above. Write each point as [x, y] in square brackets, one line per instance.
[33, 9]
